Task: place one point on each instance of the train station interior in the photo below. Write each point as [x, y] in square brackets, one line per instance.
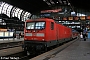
[24, 29]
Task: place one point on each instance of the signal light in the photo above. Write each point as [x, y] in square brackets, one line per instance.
[43, 39]
[26, 31]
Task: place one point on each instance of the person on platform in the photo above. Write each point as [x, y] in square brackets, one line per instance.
[81, 35]
[20, 35]
[84, 35]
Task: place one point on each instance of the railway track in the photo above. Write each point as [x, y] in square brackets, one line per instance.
[17, 56]
[10, 45]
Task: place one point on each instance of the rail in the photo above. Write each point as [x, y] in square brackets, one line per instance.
[10, 43]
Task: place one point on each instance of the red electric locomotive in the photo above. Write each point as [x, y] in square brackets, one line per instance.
[39, 34]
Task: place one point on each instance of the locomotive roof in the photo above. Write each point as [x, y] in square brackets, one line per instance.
[40, 19]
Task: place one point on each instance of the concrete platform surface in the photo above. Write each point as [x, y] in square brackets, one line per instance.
[80, 50]
[11, 40]
[53, 52]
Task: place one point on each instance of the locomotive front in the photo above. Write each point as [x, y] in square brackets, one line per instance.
[34, 35]
[34, 31]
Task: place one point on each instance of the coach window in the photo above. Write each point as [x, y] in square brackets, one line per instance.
[52, 26]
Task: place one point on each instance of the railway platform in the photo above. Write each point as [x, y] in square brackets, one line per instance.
[10, 42]
[75, 50]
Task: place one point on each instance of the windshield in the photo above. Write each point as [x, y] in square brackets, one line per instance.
[35, 25]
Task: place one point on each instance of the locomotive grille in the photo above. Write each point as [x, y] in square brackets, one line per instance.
[28, 34]
[40, 34]
[37, 34]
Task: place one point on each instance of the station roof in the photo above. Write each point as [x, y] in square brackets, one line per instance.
[33, 6]
[23, 9]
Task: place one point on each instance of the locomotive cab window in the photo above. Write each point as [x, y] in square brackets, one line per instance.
[40, 25]
[52, 26]
[30, 25]
[35, 25]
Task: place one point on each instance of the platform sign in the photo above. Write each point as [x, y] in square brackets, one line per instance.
[70, 18]
[73, 13]
[3, 29]
[88, 17]
[82, 17]
[64, 18]
[51, 11]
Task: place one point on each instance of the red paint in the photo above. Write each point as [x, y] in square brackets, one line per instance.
[58, 33]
